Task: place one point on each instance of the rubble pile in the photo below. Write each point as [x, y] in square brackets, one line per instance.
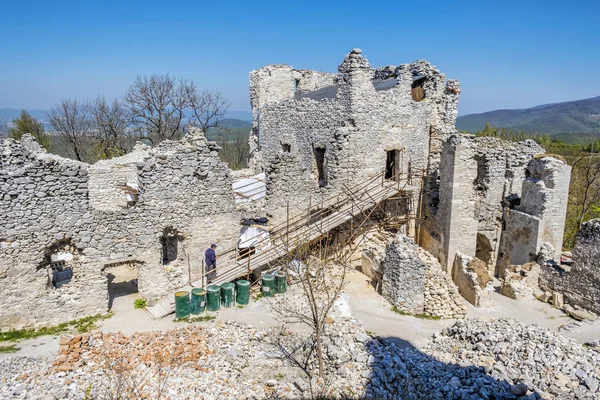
[535, 358]
[470, 360]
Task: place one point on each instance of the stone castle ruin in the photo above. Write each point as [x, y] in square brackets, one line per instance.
[471, 208]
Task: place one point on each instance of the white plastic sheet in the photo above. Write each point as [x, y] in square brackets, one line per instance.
[249, 189]
[253, 236]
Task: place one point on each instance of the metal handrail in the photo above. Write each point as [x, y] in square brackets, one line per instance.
[294, 222]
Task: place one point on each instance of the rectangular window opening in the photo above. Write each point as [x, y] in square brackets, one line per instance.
[393, 165]
[321, 171]
[417, 90]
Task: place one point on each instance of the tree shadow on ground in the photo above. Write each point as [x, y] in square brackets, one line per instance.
[119, 289]
[401, 371]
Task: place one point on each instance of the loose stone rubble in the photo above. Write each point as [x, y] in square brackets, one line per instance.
[471, 359]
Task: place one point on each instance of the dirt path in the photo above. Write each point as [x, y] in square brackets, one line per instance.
[364, 304]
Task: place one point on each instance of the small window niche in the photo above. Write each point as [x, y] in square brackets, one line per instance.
[286, 147]
[417, 92]
[61, 271]
[296, 83]
[321, 162]
[132, 193]
[59, 262]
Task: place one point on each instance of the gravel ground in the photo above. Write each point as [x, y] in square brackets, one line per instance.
[472, 359]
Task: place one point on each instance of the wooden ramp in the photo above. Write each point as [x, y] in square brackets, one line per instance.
[303, 228]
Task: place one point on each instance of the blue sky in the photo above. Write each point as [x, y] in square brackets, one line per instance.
[508, 54]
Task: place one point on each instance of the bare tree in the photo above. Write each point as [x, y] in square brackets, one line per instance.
[209, 109]
[4, 127]
[234, 148]
[321, 277]
[162, 106]
[110, 128]
[584, 194]
[72, 120]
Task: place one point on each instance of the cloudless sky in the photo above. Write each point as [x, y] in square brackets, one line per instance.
[506, 54]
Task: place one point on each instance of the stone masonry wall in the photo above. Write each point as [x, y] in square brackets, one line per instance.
[413, 280]
[43, 205]
[540, 216]
[457, 219]
[480, 178]
[579, 283]
[356, 115]
[50, 205]
[404, 276]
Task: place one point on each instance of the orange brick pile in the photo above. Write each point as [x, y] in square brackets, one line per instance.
[97, 349]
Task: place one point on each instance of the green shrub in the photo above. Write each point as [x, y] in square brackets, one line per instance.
[139, 303]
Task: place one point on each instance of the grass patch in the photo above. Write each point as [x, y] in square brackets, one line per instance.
[9, 349]
[139, 303]
[259, 296]
[204, 318]
[420, 316]
[79, 326]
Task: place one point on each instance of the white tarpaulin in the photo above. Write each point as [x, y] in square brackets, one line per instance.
[254, 236]
[249, 189]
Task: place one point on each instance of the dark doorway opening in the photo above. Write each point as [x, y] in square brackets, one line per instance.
[170, 243]
[392, 165]
[122, 281]
[321, 171]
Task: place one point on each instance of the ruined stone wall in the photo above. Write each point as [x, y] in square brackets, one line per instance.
[457, 219]
[51, 205]
[501, 169]
[43, 208]
[413, 280]
[356, 116]
[480, 178]
[471, 277]
[540, 216]
[579, 283]
[404, 276]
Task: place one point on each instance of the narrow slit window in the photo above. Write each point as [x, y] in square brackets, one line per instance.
[321, 167]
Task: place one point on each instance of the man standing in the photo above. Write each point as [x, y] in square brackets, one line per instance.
[210, 260]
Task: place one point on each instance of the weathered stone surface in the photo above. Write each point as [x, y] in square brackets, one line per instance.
[578, 282]
[473, 283]
[84, 213]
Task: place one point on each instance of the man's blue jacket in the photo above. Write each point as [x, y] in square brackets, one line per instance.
[210, 257]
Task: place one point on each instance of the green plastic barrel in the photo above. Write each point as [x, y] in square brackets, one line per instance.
[242, 294]
[198, 303]
[182, 304]
[268, 285]
[227, 294]
[280, 282]
[213, 298]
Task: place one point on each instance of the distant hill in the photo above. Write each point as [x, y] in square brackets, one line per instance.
[235, 119]
[579, 116]
[237, 123]
[12, 113]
